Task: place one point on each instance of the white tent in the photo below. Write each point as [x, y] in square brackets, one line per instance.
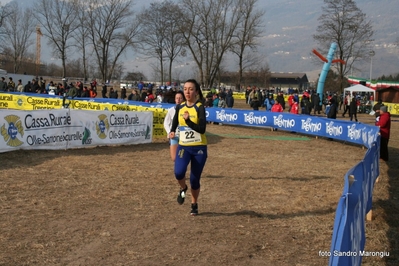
[358, 88]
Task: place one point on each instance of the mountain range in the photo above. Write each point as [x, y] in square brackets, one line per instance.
[287, 41]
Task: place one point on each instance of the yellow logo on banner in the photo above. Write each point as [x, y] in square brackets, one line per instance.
[21, 102]
[6, 100]
[84, 105]
[41, 103]
[120, 107]
[14, 127]
[101, 126]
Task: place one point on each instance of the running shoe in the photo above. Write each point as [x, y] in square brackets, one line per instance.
[194, 209]
[181, 196]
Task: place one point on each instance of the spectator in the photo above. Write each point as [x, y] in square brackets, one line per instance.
[134, 95]
[60, 89]
[103, 91]
[253, 94]
[52, 89]
[72, 92]
[35, 86]
[20, 87]
[93, 85]
[79, 89]
[3, 84]
[383, 121]
[305, 105]
[28, 87]
[277, 108]
[11, 84]
[347, 102]
[280, 99]
[229, 99]
[332, 112]
[316, 102]
[269, 102]
[143, 95]
[150, 97]
[209, 101]
[140, 86]
[222, 102]
[112, 94]
[376, 107]
[294, 108]
[85, 92]
[215, 102]
[291, 101]
[247, 92]
[123, 93]
[353, 109]
[255, 104]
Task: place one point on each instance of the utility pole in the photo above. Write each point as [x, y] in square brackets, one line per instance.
[371, 53]
[38, 48]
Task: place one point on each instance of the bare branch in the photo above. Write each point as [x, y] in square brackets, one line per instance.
[113, 29]
[58, 19]
[18, 28]
[161, 35]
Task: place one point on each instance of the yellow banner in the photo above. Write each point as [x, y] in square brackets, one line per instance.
[393, 108]
[24, 102]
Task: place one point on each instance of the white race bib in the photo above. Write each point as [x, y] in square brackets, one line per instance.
[188, 135]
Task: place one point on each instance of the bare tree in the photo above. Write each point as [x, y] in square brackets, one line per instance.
[113, 29]
[58, 18]
[81, 36]
[248, 31]
[161, 33]
[4, 12]
[18, 27]
[209, 27]
[345, 24]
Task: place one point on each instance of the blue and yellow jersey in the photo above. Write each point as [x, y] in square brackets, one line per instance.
[193, 132]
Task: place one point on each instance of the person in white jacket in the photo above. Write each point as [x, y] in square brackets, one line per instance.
[20, 87]
[167, 124]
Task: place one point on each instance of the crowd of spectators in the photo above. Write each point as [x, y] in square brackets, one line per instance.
[309, 102]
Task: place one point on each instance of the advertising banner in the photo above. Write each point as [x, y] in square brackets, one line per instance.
[68, 128]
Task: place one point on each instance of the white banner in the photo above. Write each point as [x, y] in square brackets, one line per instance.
[68, 128]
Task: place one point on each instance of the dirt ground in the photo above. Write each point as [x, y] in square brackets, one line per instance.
[267, 198]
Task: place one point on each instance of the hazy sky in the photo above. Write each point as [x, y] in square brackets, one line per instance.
[3, 2]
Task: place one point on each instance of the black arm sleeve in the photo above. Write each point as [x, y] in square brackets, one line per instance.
[201, 126]
[175, 121]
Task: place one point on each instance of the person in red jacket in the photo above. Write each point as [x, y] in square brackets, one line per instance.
[294, 107]
[384, 123]
[92, 93]
[277, 108]
[291, 101]
[150, 97]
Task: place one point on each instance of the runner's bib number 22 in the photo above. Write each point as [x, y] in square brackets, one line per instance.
[188, 135]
